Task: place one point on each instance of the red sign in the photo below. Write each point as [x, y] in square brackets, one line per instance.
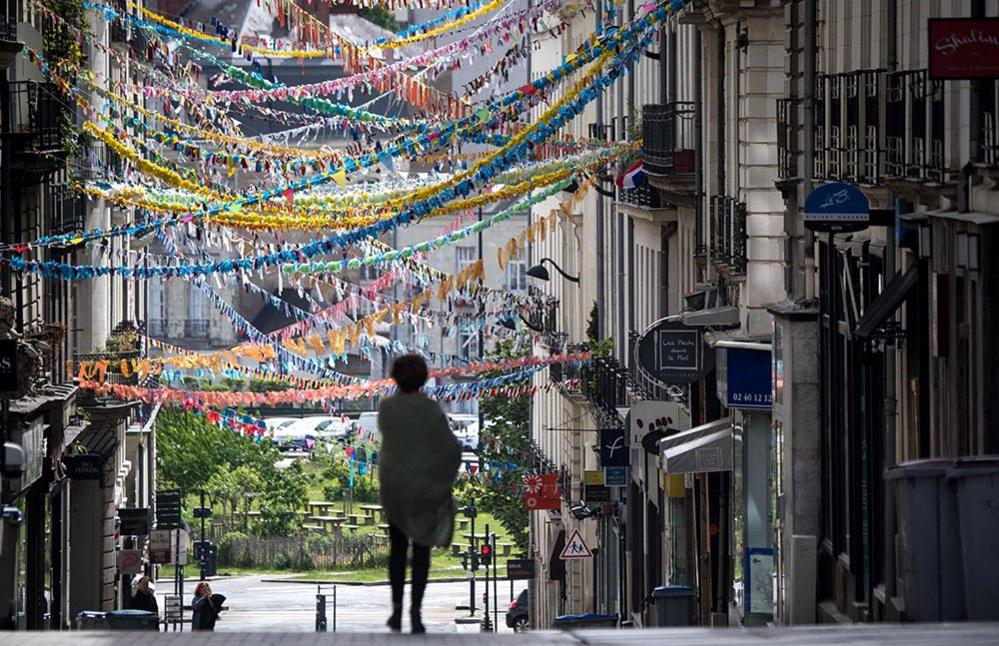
[964, 48]
[542, 492]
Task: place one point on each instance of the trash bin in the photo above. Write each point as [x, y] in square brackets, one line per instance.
[977, 484]
[926, 499]
[91, 620]
[133, 620]
[589, 620]
[674, 605]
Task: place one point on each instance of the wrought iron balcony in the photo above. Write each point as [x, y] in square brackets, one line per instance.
[848, 127]
[156, 327]
[196, 328]
[65, 209]
[990, 123]
[787, 138]
[914, 127]
[37, 113]
[644, 197]
[668, 138]
[728, 232]
[605, 386]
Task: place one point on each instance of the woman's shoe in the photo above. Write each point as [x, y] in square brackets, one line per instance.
[416, 622]
[395, 621]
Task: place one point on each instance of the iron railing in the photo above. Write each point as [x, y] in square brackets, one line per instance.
[787, 139]
[989, 98]
[914, 125]
[36, 116]
[196, 328]
[728, 232]
[605, 386]
[668, 142]
[848, 127]
[646, 197]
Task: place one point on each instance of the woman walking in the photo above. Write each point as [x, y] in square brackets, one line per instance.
[419, 462]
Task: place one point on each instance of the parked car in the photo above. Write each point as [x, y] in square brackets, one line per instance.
[518, 613]
[466, 429]
[368, 424]
[300, 435]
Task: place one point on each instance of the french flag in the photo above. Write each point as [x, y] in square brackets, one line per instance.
[633, 177]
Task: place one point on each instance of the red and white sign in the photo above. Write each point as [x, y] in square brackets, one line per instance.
[964, 48]
[575, 548]
[541, 491]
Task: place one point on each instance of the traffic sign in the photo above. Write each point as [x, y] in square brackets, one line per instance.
[575, 548]
[836, 207]
[168, 509]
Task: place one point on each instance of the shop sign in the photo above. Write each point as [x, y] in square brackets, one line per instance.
[836, 207]
[541, 491]
[134, 521]
[964, 48]
[168, 509]
[129, 562]
[84, 466]
[615, 476]
[8, 369]
[651, 421]
[613, 449]
[520, 569]
[744, 378]
[593, 487]
[168, 546]
[669, 352]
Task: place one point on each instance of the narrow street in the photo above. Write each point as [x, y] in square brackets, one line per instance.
[264, 604]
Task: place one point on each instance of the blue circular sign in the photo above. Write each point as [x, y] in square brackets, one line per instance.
[836, 207]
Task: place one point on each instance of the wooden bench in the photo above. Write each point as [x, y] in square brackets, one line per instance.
[313, 528]
[321, 507]
[328, 522]
[361, 519]
[352, 528]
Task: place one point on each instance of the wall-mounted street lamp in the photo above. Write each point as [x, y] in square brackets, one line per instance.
[538, 271]
[511, 324]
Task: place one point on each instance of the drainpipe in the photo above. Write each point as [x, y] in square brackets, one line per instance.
[808, 134]
[720, 106]
[598, 20]
[891, 405]
[699, 228]
[975, 127]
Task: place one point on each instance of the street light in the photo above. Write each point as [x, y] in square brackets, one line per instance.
[538, 271]
[511, 323]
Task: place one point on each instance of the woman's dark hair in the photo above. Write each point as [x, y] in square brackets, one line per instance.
[410, 372]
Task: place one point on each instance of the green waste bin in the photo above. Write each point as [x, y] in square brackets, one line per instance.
[674, 605]
[133, 620]
[589, 620]
[977, 483]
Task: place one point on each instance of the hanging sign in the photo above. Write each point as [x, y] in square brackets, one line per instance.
[134, 521]
[669, 352]
[575, 548]
[615, 476]
[84, 466]
[964, 48]
[837, 207]
[8, 368]
[541, 492]
[613, 449]
[744, 378]
[519, 569]
[593, 487]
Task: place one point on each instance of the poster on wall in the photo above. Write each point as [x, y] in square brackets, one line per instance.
[760, 580]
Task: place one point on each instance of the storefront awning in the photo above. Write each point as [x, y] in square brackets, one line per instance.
[707, 448]
[886, 304]
[722, 316]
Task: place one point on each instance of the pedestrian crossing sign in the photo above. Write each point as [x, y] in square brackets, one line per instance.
[575, 548]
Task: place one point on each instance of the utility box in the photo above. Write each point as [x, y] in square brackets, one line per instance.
[674, 605]
[931, 571]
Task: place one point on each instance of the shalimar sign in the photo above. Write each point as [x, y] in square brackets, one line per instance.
[964, 48]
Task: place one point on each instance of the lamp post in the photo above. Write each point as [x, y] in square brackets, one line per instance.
[538, 271]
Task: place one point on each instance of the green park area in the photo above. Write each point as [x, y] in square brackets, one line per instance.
[316, 516]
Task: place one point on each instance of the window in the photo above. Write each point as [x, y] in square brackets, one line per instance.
[516, 276]
[156, 325]
[197, 304]
[468, 343]
[465, 256]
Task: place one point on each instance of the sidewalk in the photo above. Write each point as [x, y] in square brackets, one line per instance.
[832, 635]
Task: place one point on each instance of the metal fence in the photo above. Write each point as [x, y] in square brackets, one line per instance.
[297, 553]
[668, 142]
[728, 232]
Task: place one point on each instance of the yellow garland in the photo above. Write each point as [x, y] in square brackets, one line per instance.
[437, 31]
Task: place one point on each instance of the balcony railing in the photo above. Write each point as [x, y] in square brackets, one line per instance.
[787, 139]
[36, 116]
[668, 138]
[728, 232]
[605, 385]
[156, 327]
[848, 127]
[645, 197]
[990, 123]
[65, 209]
[914, 125]
[196, 328]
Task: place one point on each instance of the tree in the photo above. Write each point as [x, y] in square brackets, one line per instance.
[504, 440]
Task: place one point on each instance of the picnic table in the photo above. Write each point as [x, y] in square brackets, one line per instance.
[321, 507]
[326, 522]
[361, 519]
[373, 511]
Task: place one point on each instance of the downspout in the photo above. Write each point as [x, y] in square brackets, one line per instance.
[699, 229]
[720, 107]
[891, 404]
[598, 24]
[808, 131]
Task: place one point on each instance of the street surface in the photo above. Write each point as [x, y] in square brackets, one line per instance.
[260, 604]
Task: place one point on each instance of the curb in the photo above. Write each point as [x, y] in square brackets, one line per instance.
[360, 583]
